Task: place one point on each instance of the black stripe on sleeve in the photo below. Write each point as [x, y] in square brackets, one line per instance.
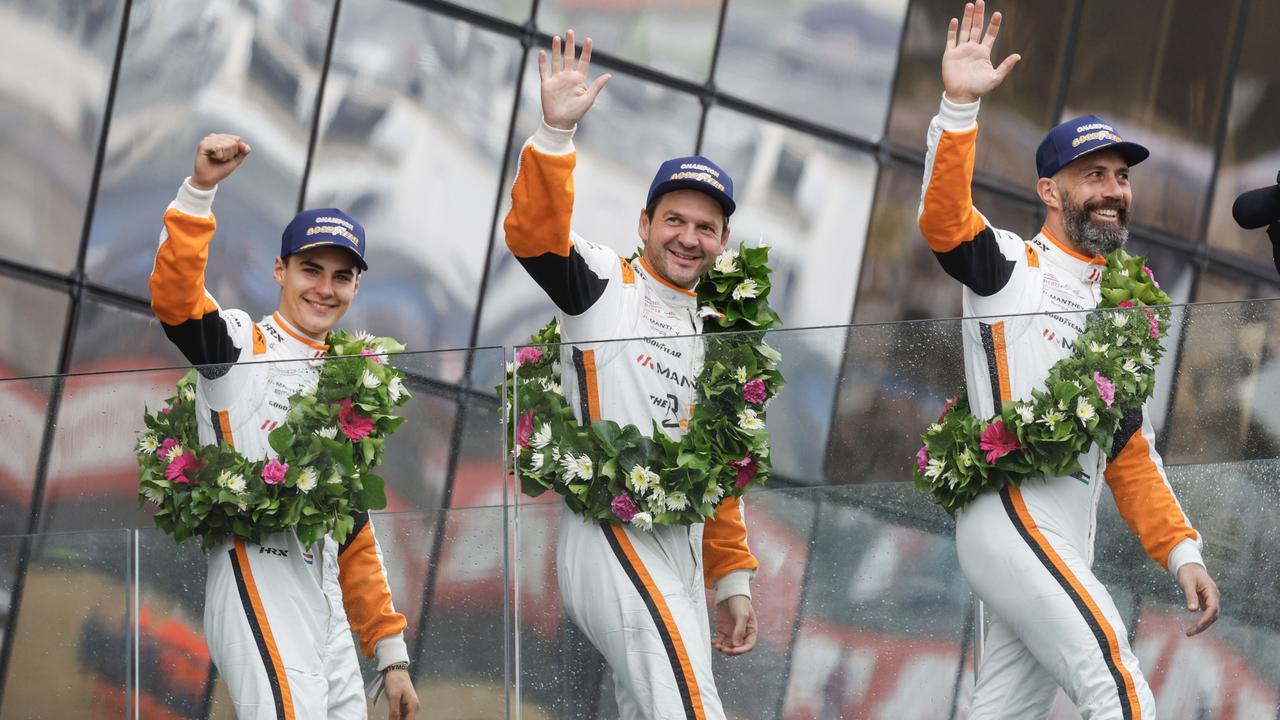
[1104, 645]
[580, 374]
[1130, 425]
[993, 365]
[979, 264]
[667, 642]
[569, 281]
[362, 519]
[204, 341]
[258, 637]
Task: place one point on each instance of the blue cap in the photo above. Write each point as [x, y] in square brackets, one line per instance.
[1081, 136]
[694, 173]
[326, 227]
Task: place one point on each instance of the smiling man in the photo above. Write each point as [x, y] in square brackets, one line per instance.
[278, 616]
[1027, 551]
[636, 594]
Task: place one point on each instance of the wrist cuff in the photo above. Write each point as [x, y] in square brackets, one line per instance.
[955, 116]
[193, 202]
[1187, 551]
[391, 650]
[553, 141]
[737, 582]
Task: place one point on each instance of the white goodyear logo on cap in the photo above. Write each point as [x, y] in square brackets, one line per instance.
[342, 228]
[1095, 131]
[701, 173]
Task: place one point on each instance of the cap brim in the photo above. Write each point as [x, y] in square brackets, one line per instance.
[321, 243]
[725, 201]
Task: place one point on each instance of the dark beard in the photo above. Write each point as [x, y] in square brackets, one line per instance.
[1094, 238]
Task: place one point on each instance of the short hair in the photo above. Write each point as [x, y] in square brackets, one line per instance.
[652, 208]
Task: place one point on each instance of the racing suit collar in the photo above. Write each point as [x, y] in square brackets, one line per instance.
[671, 294]
[293, 337]
[1086, 268]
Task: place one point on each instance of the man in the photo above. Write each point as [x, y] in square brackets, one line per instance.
[636, 594]
[1027, 551]
[276, 614]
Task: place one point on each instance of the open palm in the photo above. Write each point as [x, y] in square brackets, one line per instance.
[566, 94]
[967, 71]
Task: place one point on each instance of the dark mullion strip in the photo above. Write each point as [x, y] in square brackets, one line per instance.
[315, 116]
[76, 282]
[476, 17]
[33, 275]
[897, 72]
[708, 95]
[1204, 256]
[968, 636]
[1066, 61]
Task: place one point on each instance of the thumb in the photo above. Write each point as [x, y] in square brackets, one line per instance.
[1007, 65]
[1188, 584]
[739, 630]
[598, 85]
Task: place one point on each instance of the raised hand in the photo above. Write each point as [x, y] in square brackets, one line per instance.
[217, 156]
[566, 95]
[967, 72]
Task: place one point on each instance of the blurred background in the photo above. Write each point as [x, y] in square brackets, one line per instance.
[409, 115]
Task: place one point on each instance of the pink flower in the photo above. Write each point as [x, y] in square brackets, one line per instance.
[746, 470]
[351, 423]
[754, 391]
[1151, 275]
[183, 468]
[624, 507]
[1155, 323]
[524, 429]
[165, 447]
[165, 410]
[998, 441]
[1125, 303]
[273, 472]
[528, 355]
[1106, 389]
[922, 458]
[373, 356]
[951, 402]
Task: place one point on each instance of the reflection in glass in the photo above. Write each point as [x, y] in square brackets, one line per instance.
[245, 69]
[417, 111]
[57, 57]
[31, 328]
[901, 278]
[1158, 95]
[516, 11]
[672, 36]
[1251, 156]
[24, 408]
[825, 61]
[620, 146]
[1015, 117]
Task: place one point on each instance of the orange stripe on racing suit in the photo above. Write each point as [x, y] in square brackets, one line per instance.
[365, 592]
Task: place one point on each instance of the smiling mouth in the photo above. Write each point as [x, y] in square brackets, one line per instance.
[684, 257]
[319, 306]
[1108, 215]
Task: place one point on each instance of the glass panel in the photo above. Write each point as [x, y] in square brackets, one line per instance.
[823, 61]
[901, 278]
[246, 68]
[71, 642]
[31, 331]
[407, 85]
[673, 36]
[1166, 99]
[24, 408]
[111, 337]
[53, 94]
[1016, 116]
[1217, 286]
[619, 148]
[1251, 156]
[516, 11]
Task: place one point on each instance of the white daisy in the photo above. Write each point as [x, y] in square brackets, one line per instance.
[328, 433]
[541, 437]
[307, 479]
[363, 337]
[577, 467]
[642, 520]
[174, 452]
[965, 458]
[677, 501]
[148, 443]
[1052, 418]
[369, 380]
[935, 468]
[1084, 410]
[309, 387]
[641, 479]
[1025, 414]
[933, 428]
[748, 420]
[395, 389]
[511, 368]
[1130, 366]
[741, 375]
[728, 261]
[657, 497]
[535, 461]
[713, 494]
[555, 368]
[154, 494]
[334, 478]
[1119, 319]
[188, 394]
[1145, 358]
[1097, 347]
[746, 289]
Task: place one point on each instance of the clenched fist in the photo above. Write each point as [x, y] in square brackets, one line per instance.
[217, 156]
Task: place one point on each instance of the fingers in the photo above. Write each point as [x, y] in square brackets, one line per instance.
[992, 30]
[569, 49]
[557, 59]
[975, 29]
[584, 63]
[951, 33]
[542, 65]
[739, 630]
[966, 22]
[1212, 608]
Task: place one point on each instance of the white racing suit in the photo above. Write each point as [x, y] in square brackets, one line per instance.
[1027, 551]
[276, 614]
[637, 595]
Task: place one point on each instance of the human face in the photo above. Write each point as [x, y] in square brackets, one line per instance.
[316, 287]
[1096, 196]
[685, 236]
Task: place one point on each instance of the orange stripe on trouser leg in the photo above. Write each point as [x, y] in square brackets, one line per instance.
[1002, 360]
[593, 387]
[656, 596]
[1113, 645]
[255, 599]
[224, 422]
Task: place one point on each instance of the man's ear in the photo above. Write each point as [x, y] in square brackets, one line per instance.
[643, 227]
[278, 272]
[1049, 193]
[724, 238]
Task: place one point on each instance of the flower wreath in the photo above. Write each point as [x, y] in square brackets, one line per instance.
[332, 439]
[609, 472]
[1110, 373]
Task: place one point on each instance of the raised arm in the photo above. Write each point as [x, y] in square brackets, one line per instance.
[966, 246]
[538, 226]
[190, 317]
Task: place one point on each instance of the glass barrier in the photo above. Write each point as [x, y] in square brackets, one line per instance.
[862, 608]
